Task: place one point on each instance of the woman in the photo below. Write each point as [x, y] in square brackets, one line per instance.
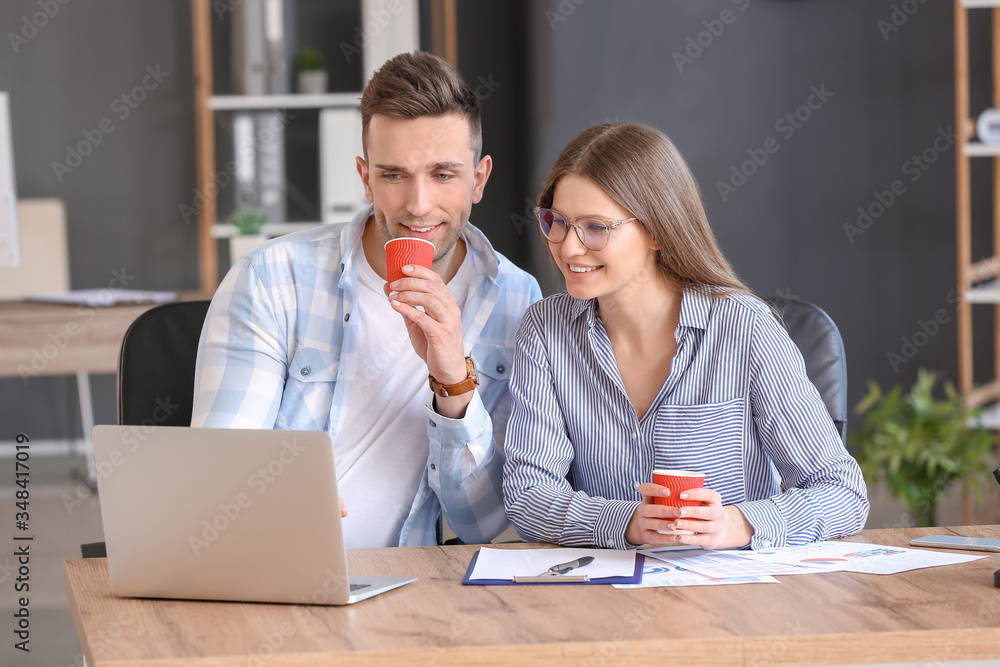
[657, 356]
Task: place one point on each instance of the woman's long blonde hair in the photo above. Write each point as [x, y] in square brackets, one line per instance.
[641, 169]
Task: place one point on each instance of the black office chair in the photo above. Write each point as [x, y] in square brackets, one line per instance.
[156, 365]
[822, 348]
[156, 372]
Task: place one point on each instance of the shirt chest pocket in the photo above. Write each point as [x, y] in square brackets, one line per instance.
[309, 390]
[704, 438]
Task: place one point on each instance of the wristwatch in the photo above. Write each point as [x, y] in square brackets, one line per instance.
[470, 382]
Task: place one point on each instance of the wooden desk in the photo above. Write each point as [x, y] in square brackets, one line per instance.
[936, 614]
[57, 339]
[47, 339]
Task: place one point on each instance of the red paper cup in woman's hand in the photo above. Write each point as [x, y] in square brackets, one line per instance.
[677, 481]
[404, 251]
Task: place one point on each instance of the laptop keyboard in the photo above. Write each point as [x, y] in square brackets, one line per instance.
[358, 587]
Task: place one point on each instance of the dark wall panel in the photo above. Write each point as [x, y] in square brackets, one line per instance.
[888, 95]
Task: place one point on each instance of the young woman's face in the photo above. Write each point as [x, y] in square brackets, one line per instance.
[626, 262]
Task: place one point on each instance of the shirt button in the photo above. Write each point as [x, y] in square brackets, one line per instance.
[766, 543]
[304, 371]
[433, 467]
[433, 424]
[500, 368]
[347, 317]
[610, 543]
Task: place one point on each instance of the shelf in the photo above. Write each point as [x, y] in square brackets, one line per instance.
[983, 394]
[225, 231]
[985, 293]
[984, 269]
[989, 418]
[263, 102]
[979, 149]
[980, 4]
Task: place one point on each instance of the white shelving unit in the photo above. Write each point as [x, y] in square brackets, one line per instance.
[990, 418]
[979, 149]
[984, 293]
[339, 137]
[978, 281]
[271, 229]
[265, 102]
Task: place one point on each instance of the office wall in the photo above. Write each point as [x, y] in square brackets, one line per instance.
[719, 77]
[65, 77]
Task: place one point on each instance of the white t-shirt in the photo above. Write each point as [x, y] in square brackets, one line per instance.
[381, 451]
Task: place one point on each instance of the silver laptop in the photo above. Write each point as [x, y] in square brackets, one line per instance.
[225, 514]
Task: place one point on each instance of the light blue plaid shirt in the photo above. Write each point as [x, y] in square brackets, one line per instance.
[279, 349]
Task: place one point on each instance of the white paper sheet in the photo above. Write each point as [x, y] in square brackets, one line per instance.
[725, 564]
[657, 574]
[509, 563]
[857, 557]
[96, 298]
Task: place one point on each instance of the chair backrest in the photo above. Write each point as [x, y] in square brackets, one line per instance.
[156, 365]
[822, 348]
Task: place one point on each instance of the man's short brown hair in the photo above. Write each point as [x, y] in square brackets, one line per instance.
[412, 85]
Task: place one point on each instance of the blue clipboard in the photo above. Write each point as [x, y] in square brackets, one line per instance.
[634, 579]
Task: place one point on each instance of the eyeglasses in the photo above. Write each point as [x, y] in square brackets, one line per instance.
[592, 231]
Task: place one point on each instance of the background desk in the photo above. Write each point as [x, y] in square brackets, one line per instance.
[945, 613]
[45, 339]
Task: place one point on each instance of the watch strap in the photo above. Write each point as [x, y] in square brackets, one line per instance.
[470, 382]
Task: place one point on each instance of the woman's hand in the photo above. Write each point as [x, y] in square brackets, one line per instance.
[715, 526]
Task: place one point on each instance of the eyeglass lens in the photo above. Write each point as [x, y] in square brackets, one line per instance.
[594, 233]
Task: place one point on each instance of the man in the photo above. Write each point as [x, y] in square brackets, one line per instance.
[304, 333]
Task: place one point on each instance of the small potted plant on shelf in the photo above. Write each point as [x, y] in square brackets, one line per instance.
[249, 225]
[311, 74]
[920, 445]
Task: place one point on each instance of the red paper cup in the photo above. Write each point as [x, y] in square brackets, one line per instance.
[404, 251]
[677, 481]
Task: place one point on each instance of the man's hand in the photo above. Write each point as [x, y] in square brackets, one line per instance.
[715, 526]
[435, 333]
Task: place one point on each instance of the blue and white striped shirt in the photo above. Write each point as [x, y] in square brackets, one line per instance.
[736, 405]
[279, 349]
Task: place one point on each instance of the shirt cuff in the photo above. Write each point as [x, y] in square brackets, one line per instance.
[612, 522]
[769, 530]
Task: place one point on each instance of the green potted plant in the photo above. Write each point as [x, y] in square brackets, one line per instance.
[920, 445]
[249, 225]
[311, 74]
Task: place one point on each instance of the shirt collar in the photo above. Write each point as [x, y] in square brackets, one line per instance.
[695, 306]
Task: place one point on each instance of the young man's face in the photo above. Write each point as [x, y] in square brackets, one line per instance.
[421, 178]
